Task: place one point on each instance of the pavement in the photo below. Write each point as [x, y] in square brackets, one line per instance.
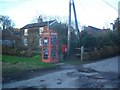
[101, 74]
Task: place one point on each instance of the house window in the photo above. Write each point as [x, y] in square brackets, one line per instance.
[1, 26]
[8, 42]
[40, 30]
[26, 32]
[40, 41]
[25, 41]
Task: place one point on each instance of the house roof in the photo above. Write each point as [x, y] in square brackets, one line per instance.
[10, 34]
[93, 28]
[33, 25]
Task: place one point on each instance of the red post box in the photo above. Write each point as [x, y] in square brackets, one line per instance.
[64, 48]
[49, 46]
[64, 51]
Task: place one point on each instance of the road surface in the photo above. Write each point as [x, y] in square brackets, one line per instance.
[107, 65]
[101, 74]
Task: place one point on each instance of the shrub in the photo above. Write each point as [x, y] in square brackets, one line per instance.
[13, 51]
[106, 51]
[86, 56]
[8, 50]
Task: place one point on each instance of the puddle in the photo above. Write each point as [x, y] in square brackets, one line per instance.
[86, 70]
[96, 80]
[95, 77]
[90, 78]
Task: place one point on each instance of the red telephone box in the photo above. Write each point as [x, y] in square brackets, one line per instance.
[49, 46]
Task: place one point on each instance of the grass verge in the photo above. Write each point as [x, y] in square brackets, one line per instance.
[16, 64]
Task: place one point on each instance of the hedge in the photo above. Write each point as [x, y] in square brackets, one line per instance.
[106, 51]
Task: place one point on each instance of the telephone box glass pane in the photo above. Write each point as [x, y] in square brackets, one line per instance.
[53, 53]
[54, 39]
[45, 53]
[54, 46]
[45, 41]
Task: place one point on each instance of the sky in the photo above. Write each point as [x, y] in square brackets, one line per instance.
[95, 13]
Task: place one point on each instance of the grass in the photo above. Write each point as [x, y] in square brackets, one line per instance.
[77, 61]
[16, 64]
[0, 57]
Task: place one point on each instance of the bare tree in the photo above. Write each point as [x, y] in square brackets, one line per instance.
[6, 22]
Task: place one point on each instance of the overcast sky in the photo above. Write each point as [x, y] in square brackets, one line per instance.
[96, 13]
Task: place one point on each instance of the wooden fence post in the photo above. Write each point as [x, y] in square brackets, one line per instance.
[82, 51]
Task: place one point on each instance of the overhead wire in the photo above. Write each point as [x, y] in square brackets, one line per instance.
[110, 5]
[95, 9]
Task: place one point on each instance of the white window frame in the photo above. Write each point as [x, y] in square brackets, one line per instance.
[40, 41]
[25, 32]
[25, 40]
[40, 30]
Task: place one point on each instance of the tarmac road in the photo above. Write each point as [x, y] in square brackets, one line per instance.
[71, 77]
[107, 65]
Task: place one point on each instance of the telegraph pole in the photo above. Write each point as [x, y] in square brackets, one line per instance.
[69, 31]
[71, 3]
[76, 22]
[119, 10]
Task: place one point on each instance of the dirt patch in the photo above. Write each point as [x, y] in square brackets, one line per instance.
[12, 77]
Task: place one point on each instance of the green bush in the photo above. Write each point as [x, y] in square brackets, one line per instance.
[86, 56]
[106, 51]
[20, 52]
[8, 50]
